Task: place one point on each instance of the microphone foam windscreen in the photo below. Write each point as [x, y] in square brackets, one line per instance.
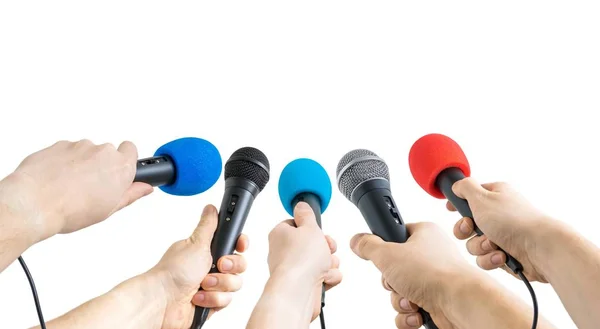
[432, 154]
[197, 163]
[304, 176]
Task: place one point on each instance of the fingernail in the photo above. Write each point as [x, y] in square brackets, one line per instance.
[199, 297]
[405, 304]
[464, 227]
[497, 259]
[303, 206]
[412, 320]
[210, 281]
[226, 265]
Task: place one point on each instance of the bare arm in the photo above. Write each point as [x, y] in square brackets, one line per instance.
[139, 302]
[15, 237]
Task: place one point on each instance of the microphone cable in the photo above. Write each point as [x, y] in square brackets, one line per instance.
[322, 316]
[533, 298]
[36, 299]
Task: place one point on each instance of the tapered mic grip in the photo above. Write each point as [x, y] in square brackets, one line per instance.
[444, 182]
[315, 203]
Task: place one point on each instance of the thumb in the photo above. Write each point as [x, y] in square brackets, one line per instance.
[304, 215]
[468, 189]
[367, 246]
[203, 234]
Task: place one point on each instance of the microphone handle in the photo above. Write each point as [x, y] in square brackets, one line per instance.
[444, 181]
[315, 203]
[235, 207]
[156, 171]
[383, 218]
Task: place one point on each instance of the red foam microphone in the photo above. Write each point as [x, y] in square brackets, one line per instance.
[436, 163]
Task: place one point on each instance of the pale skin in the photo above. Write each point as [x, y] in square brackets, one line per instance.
[300, 261]
[165, 296]
[550, 250]
[460, 300]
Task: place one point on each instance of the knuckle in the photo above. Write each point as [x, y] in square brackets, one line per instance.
[107, 147]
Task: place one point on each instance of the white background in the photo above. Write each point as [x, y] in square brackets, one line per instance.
[515, 83]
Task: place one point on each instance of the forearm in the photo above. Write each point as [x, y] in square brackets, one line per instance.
[285, 303]
[477, 301]
[139, 302]
[571, 264]
[15, 238]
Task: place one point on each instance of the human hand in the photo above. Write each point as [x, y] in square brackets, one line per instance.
[424, 271]
[184, 268]
[300, 252]
[69, 186]
[508, 220]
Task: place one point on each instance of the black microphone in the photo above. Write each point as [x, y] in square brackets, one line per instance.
[364, 179]
[183, 167]
[246, 175]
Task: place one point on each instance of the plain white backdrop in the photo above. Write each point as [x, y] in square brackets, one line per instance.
[515, 83]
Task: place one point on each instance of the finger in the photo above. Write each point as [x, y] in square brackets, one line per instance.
[203, 234]
[464, 228]
[496, 186]
[289, 222]
[222, 282]
[333, 278]
[332, 244]
[403, 305]
[335, 261]
[450, 206]
[492, 260]
[212, 299]
[135, 192]
[480, 245]
[468, 188]
[366, 246]
[409, 321]
[129, 150]
[304, 215]
[385, 284]
[232, 264]
[243, 244]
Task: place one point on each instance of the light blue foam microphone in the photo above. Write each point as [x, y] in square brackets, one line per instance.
[183, 167]
[307, 181]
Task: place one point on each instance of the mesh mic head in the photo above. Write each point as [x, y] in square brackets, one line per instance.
[359, 166]
[432, 154]
[197, 164]
[249, 163]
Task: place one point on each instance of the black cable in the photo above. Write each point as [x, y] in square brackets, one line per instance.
[38, 307]
[533, 298]
[322, 317]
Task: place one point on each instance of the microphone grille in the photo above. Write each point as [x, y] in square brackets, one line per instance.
[359, 166]
[249, 163]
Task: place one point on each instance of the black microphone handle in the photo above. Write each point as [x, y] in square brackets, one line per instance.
[374, 200]
[235, 206]
[315, 203]
[444, 182]
[156, 171]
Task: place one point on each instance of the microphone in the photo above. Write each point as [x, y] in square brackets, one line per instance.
[363, 178]
[307, 181]
[246, 175]
[436, 163]
[183, 167]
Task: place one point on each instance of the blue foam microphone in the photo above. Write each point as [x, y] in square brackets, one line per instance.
[305, 180]
[246, 175]
[183, 167]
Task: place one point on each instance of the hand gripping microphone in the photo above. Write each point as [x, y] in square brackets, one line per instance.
[436, 163]
[307, 181]
[363, 178]
[246, 175]
[185, 166]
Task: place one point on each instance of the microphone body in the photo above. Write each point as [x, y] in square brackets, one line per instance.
[375, 202]
[444, 182]
[155, 171]
[315, 204]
